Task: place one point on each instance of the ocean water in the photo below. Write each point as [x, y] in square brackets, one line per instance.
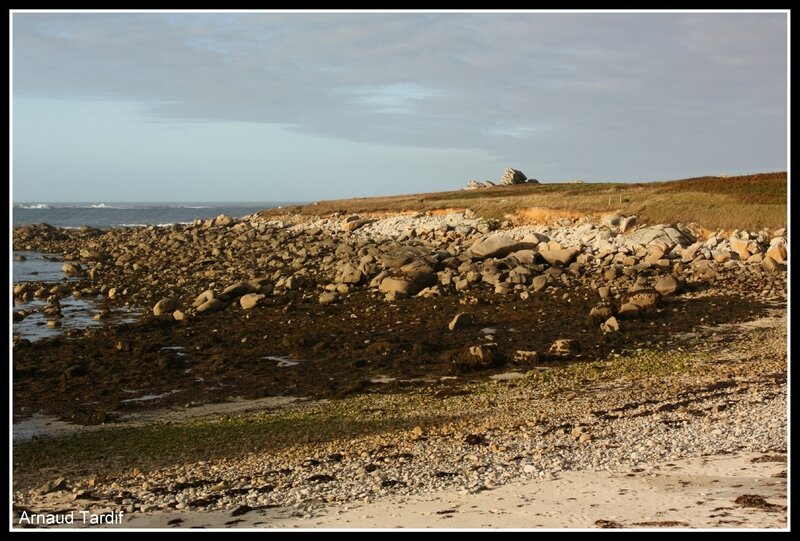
[104, 215]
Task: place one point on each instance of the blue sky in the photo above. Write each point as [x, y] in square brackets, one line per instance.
[295, 106]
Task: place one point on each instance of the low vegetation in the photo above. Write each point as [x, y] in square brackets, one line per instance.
[105, 449]
[751, 202]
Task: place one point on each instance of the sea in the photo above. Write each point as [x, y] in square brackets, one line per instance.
[104, 215]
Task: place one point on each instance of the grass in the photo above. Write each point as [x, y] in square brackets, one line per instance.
[742, 202]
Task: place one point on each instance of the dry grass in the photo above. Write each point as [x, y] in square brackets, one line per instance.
[751, 201]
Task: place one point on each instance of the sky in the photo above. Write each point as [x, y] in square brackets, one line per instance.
[272, 106]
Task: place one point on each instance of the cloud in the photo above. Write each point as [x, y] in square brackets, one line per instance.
[505, 83]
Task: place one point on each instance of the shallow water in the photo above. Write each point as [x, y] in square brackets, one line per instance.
[77, 313]
[38, 267]
[282, 361]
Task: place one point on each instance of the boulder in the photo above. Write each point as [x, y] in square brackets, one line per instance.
[611, 273]
[668, 285]
[512, 176]
[626, 223]
[600, 313]
[539, 283]
[611, 220]
[401, 285]
[223, 220]
[430, 292]
[777, 252]
[486, 354]
[394, 259]
[473, 185]
[353, 222]
[165, 306]
[646, 299]
[502, 288]
[238, 289]
[251, 300]
[628, 311]
[211, 305]
[560, 257]
[689, 253]
[562, 348]
[349, 274]
[770, 265]
[461, 284]
[496, 246]
[294, 282]
[705, 269]
[328, 297]
[460, 321]
[204, 297]
[520, 257]
[720, 256]
[742, 248]
[654, 253]
[525, 358]
[72, 269]
[666, 236]
[519, 275]
[610, 325]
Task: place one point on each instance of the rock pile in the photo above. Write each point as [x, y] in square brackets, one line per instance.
[510, 177]
[205, 267]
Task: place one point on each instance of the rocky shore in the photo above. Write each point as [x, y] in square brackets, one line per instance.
[473, 353]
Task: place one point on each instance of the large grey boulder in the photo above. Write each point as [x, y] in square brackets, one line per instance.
[664, 236]
[497, 246]
[512, 176]
[563, 256]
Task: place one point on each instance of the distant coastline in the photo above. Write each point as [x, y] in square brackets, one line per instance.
[130, 214]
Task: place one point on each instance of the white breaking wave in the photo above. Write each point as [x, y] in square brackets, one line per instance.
[35, 206]
[156, 225]
[104, 206]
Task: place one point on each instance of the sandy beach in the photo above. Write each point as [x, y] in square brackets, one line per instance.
[688, 493]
